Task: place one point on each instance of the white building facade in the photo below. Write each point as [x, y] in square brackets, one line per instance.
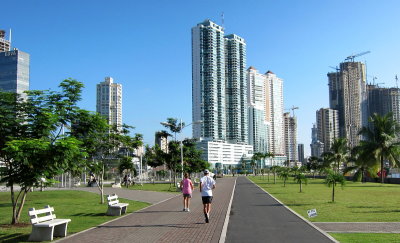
[256, 97]
[109, 101]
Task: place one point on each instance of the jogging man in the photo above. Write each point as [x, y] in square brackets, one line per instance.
[207, 184]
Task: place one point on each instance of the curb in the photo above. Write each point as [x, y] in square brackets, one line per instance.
[228, 213]
[298, 215]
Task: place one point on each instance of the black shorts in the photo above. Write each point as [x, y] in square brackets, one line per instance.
[207, 199]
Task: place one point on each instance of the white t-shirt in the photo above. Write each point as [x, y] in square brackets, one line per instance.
[207, 184]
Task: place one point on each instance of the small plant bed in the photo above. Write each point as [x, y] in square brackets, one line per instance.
[357, 202]
[366, 237]
[83, 208]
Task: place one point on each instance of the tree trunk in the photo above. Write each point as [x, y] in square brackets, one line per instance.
[382, 178]
[274, 177]
[14, 205]
[21, 204]
[333, 192]
[300, 186]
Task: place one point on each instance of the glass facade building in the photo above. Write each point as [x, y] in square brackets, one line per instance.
[14, 71]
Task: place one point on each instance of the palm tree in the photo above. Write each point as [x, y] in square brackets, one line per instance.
[381, 140]
[256, 156]
[284, 174]
[338, 154]
[173, 125]
[361, 164]
[312, 165]
[300, 178]
[274, 170]
[332, 179]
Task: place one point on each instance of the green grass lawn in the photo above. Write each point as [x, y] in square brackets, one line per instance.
[157, 187]
[357, 202]
[83, 208]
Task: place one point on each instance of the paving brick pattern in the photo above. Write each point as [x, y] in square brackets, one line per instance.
[165, 222]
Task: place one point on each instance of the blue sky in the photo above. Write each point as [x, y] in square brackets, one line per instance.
[146, 46]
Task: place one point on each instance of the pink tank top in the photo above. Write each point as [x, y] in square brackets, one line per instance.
[187, 189]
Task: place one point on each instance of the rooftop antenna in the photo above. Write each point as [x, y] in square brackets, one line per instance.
[9, 39]
[223, 20]
[396, 81]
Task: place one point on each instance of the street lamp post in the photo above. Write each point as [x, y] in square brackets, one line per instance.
[180, 131]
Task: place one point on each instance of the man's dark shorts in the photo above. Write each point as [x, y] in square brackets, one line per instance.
[207, 199]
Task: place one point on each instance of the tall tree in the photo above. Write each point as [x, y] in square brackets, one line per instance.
[32, 142]
[173, 125]
[381, 140]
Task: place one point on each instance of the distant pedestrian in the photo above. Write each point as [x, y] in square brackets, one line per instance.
[187, 189]
[207, 184]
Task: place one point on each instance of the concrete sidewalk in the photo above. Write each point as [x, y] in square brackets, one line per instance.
[165, 221]
[137, 195]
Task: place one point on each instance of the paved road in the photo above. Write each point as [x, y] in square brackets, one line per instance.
[165, 222]
[257, 217]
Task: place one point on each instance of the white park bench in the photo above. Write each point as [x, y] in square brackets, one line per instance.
[46, 227]
[115, 208]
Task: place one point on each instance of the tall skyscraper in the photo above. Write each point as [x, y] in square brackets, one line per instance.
[317, 147]
[274, 112]
[208, 88]
[327, 126]
[290, 137]
[300, 151]
[383, 101]
[236, 89]
[109, 101]
[347, 94]
[5, 45]
[258, 125]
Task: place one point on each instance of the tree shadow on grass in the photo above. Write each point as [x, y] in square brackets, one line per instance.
[10, 238]
[89, 214]
[364, 207]
[379, 211]
[2, 205]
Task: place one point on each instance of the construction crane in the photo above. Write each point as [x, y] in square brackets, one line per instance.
[351, 58]
[336, 68]
[293, 108]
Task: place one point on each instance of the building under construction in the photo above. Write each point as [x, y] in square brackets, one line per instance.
[5, 45]
[347, 95]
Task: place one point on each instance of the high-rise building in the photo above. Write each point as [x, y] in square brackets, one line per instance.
[347, 94]
[5, 45]
[208, 87]
[290, 137]
[327, 126]
[317, 147]
[161, 139]
[14, 71]
[236, 89]
[109, 101]
[258, 125]
[300, 151]
[274, 112]
[383, 101]
[219, 90]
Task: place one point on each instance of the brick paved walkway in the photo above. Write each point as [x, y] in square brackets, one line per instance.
[165, 222]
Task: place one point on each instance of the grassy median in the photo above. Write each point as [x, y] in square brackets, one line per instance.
[356, 202]
[83, 208]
